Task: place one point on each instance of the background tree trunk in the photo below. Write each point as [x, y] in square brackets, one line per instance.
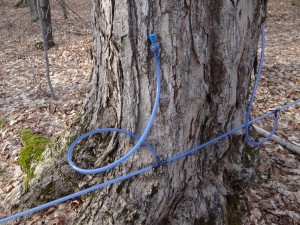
[21, 3]
[46, 21]
[208, 49]
[33, 10]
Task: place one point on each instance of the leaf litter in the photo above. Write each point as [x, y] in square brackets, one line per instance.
[273, 197]
[25, 100]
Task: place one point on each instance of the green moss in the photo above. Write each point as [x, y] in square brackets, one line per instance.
[130, 216]
[27, 179]
[1, 169]
[110, 215]
[3, 122]
[31, 152]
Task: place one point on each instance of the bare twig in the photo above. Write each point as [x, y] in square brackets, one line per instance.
[289, 146]
[45, 45]
[63, 7]
[66, 5]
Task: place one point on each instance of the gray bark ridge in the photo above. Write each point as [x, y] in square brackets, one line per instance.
[208, 49]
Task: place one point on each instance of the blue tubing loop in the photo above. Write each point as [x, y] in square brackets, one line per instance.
[155, 47]
[141, 140]
[275, 112]
[96, 131]
[140, 171]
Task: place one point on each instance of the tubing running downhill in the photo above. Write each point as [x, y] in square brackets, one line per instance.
[155, 46]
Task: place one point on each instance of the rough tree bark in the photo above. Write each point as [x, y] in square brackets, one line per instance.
[208, 49]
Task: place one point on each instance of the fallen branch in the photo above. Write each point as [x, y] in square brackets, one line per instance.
[284, 143]
[292, 214]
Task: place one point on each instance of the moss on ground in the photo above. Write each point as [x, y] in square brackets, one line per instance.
[3, 123]
[33, 147]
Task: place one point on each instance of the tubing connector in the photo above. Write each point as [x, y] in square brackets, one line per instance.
[155, 45]
[160, 163]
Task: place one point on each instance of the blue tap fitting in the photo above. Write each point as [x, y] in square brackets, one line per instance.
[155, 45]
[152, 38]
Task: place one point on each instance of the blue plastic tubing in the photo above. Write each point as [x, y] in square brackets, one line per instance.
[142, 140]
[252, 100]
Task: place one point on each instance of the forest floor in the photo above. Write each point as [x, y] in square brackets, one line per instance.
[25, 102]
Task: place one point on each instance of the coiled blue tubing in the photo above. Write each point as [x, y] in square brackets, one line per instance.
[142, 140]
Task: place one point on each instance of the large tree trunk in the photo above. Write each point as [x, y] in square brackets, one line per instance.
[208, 49]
